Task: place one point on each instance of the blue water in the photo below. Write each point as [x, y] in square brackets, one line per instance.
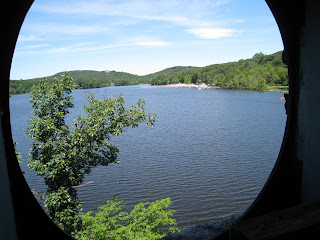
[210, 151]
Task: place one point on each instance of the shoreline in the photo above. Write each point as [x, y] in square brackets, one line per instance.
[205, 86]
[277, 91]
[189, 85]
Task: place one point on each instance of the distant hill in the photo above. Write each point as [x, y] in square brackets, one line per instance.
[256, 73]
[86, 79]
[94, 79]
[83, 78]
[147, 78]
[171, 70]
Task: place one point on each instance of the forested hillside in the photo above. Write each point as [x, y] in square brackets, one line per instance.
[170, 70]
[83, 78]
[257, 73]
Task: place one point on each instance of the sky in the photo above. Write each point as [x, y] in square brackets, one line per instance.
[140, 37]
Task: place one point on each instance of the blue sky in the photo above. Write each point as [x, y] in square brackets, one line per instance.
[142, 36]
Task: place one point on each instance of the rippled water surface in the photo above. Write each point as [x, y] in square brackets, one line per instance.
[210, 151]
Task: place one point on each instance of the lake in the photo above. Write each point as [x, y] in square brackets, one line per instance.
[210, 151]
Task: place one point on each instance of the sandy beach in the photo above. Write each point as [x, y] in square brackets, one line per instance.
[189, 85]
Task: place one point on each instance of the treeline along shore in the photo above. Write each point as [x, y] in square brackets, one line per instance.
[261, 72]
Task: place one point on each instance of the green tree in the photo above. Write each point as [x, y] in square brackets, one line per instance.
[261, 85]
[259, 57]
[187, 79]
[64, 155]
[146, 221]
[19, 157]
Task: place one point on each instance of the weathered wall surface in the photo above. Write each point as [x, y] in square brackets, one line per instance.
[8, 227]
[309, 104]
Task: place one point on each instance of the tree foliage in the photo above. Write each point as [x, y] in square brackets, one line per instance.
[63, 155]
[18, 153]
[146, 221]
[254, 74]
[84, 79]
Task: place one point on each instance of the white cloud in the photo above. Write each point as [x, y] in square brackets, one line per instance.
[211, 33]
[152, 43]
[91, 47]
[33, 46]
[221, 2]
[141, 43]
[40, 29]
[187, 13]
[29, 38]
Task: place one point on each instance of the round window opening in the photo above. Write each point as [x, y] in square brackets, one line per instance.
[213, 75]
